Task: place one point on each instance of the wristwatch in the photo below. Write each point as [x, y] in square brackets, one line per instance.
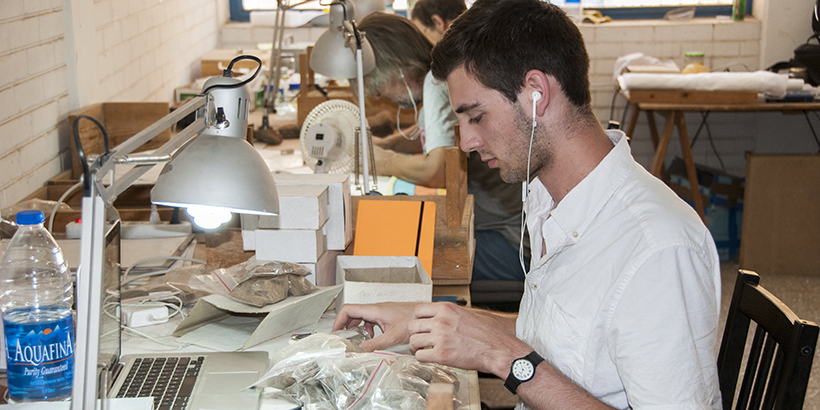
[522, 370]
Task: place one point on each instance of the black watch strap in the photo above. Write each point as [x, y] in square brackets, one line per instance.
[513, 382]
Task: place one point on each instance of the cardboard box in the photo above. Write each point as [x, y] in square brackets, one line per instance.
[279, 318]
[339, 224]
[374, 279]
[722, 196]
[185, 92]
[324, 270]
[300, 207]
[290, 245]
[122, 120]
[781, 214]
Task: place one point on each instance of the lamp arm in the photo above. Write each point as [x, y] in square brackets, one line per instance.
[118, 185]
[105, 164]
[161, 125]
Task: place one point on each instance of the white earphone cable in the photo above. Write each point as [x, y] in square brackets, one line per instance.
[415, 134]
[525, 185]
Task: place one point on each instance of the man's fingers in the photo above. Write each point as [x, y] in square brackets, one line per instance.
[387, 339]
[428, 310]
[420, 326]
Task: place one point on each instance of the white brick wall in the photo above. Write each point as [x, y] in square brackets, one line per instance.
[33, 96]
[144, 49]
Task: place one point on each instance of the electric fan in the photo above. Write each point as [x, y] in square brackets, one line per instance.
[328, 137]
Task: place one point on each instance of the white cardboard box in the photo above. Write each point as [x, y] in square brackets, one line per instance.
[339, 223]
[374, 279]
[300, 207]
[290, 245]
[324, 270]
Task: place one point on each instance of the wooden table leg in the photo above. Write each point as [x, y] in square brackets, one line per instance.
[653, 133]
[691, 172]
[663, 144]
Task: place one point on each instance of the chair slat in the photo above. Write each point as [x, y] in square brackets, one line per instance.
[751, 369]
[762, 376]
[779, 361]
[774, 380]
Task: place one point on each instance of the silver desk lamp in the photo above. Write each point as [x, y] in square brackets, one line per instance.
[209, 164]
[344, 52]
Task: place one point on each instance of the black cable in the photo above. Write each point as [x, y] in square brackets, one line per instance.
[357, 35]
[813, 133]
[712, 143]
[700, 127]
[612, 105]
[81, 151]
[229, 72]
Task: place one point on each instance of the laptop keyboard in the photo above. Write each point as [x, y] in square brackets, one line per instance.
[170, 380]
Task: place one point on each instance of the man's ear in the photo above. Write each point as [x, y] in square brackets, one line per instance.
[440, 24]
[537, 81]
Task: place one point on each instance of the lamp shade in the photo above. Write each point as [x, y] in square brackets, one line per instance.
[331, 55]
[218, 171]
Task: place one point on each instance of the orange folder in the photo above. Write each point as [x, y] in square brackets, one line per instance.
[396, 228]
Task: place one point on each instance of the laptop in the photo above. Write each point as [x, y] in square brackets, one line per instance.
[176, 381]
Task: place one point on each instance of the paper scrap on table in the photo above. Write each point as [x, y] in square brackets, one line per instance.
[227, 335]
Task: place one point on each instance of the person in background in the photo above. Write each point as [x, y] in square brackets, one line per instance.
[621, 303]
[402, 74]
[433, 17]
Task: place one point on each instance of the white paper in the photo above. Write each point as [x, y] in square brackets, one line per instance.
[227, 335]
[758, 81]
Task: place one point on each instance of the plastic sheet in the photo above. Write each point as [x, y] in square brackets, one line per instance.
[325, 372]
[257, 284]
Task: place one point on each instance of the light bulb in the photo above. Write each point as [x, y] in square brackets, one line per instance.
[209, 217]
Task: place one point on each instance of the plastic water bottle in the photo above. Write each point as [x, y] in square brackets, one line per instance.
[35, 298]
[574, 10]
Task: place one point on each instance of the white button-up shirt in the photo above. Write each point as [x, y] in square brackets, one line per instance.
[625, 299]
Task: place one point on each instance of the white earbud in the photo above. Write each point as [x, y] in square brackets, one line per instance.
[536, 95]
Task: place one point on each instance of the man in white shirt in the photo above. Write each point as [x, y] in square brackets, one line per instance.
[621, 302]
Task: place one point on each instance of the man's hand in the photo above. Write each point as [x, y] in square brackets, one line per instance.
[469, 339]
[392, 318]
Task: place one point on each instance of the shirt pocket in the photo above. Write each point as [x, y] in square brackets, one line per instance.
[560, 342]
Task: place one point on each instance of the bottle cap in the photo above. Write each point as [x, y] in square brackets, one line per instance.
[30, 217]
[694, 54]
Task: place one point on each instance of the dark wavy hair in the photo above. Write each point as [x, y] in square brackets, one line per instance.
[397, 44]
[448, 10]
[499, 41]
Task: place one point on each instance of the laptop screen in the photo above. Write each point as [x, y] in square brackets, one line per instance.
[110, 336]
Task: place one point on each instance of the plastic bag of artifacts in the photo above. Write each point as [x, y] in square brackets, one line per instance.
[327, 372]
[255, 283]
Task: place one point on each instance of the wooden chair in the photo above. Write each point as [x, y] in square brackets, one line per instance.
[779, 361]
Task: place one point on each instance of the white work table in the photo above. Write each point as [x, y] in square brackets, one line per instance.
[134, 344]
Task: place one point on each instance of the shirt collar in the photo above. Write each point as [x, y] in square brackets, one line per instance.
[580, 206]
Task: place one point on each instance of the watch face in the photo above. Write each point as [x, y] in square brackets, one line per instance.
[522, 369]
